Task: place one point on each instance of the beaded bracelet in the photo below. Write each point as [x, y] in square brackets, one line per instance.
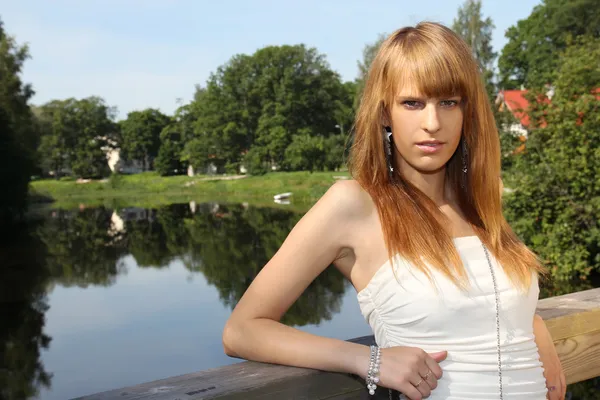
[373, 373]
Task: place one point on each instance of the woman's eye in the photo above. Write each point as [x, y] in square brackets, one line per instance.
[449, 103]
[411, 103]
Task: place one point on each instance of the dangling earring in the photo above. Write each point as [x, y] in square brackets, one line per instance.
[387, 138]
[465, 161]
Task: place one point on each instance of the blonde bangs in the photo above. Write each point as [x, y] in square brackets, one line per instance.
[429, 70]
[426, 71]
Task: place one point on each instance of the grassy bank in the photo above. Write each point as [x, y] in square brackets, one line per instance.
[150, 189]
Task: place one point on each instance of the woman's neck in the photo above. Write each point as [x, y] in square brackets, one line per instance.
[433, 184]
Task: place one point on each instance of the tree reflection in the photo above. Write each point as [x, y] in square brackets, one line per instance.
[157, 236]
[172, 219]
[23, 280]
[146, 239]
[231, 244]
[228, 243]
[83, 247]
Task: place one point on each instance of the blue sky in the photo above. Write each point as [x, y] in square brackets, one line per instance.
[150, 53]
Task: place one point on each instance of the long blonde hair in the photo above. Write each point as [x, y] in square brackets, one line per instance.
[441, 64]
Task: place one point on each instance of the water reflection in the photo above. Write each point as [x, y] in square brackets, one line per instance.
[23, 276]
[83, 247]
[89, 247]
[228, 244]
[94, 248]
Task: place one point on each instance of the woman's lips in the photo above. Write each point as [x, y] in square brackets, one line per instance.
[430, 147]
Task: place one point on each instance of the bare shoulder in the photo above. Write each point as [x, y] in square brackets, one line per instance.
[347, 199]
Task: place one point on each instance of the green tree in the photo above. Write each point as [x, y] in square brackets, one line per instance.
[529, 57]
[556, 205]
[263, 100]
[345, 108]
[76, 135]
[201, 146]
[254, 161]
[95, 131]
[140, 135]
[477, 32]
[168, 162]
[335, 152]
[18, 138]
[306, 152]
[272, 136]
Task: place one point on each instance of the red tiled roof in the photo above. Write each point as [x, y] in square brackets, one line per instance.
[517, 104]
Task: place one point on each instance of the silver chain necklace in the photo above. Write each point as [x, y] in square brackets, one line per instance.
[487, 256]
[497, 296]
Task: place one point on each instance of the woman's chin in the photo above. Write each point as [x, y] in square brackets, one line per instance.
[430, 168]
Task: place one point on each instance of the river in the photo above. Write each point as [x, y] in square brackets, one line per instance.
[107, 298]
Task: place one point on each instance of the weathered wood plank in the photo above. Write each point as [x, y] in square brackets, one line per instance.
[580, 356]
[572, 314]
[573, 321]
[245, 380]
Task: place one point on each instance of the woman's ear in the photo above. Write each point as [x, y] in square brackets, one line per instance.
[386, 121]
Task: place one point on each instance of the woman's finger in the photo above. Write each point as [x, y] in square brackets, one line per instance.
[421, 385]
[429, 377]
[410, 391]
[433, 366]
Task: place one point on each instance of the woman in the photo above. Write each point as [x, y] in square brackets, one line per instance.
[447, 287]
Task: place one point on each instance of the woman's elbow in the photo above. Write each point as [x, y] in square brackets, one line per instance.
[230, 334]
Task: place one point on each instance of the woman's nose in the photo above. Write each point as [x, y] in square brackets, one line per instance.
[431, 121]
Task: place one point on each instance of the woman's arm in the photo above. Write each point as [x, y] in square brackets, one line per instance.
[553, 372]
[254, 332]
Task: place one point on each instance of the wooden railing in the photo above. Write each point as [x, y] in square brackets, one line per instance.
[573, 321]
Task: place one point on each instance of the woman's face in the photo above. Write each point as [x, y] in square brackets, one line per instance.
[425, 131]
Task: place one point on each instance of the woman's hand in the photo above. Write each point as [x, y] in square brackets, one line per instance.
[553, 372]
[410, 370]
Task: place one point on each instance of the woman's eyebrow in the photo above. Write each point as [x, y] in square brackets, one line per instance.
[404, 96]
[422, 97]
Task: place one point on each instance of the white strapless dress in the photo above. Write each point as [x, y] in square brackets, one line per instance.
[405, 310]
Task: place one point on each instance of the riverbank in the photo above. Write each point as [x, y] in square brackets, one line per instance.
[149, 189]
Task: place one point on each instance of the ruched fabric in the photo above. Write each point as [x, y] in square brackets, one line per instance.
[405, 309]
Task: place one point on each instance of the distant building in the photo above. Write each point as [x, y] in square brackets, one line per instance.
[515, 102]
[117, 164]
[210, 169]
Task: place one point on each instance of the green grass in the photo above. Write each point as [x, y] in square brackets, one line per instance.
[149, 189]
